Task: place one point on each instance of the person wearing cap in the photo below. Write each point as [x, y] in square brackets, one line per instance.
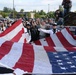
[28, 26]
[27, 32]
[51, 31]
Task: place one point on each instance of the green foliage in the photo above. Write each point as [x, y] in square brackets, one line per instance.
[15, 14]
[22, 10]
[40, 14]
[37, 15]
[4, 14]
[29, 15]
[7, 10]
[50, 15]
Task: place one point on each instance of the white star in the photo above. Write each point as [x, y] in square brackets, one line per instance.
[73, 66]
[64, 54]
[59, 60]
[67, 58]
[54, 53]
[69, 62]
[71, 52]
[63, 68]
[73, 56]
[60, 63]
[57, 56]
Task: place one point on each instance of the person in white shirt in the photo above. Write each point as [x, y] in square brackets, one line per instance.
[51, 31]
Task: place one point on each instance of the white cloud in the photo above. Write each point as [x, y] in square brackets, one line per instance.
[52, 2]
[29, 5]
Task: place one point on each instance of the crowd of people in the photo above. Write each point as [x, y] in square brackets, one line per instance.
[33, 26]
[39, 28]
[5, 23]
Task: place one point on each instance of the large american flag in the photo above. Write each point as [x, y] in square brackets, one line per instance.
[51, 55]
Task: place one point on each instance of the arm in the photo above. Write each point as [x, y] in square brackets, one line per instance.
[70, 4]
[45, 31]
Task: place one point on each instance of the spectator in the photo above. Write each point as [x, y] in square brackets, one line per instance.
[34, 32]
[60, 21]
[38, 22]
[59, 15]
[51, 21]
[51, 31]
[3, 28]
[61, 10]
[67, 4]
[8, 25]
[27, 32]
[43, 26]
[28, 26]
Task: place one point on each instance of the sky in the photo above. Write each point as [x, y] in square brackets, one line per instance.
[30, 5]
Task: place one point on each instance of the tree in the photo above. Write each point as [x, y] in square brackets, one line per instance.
[42, 12]
[7, 10]
[13, 13]
[22, 10]
[37, 14]
[4, 14]
[50, 15]
[28, 14]
[21, 13]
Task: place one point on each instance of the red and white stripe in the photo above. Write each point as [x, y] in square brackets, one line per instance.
[15, 33]
[60, 39]
[30, 58]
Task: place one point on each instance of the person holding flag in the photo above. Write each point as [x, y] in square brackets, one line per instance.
[51, 31]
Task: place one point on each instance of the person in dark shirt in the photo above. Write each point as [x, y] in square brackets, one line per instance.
[59, 17]
[67, 4]
[34, 32]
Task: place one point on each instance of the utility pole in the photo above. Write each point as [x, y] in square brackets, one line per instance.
[13, 8]
[48, 8]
